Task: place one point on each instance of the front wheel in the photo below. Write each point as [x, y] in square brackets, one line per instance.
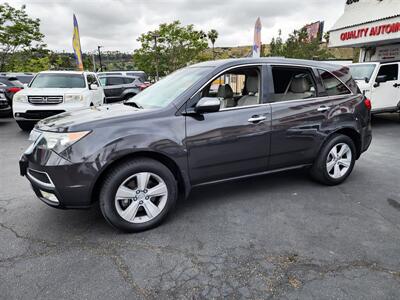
[335, 161]
[138, 195]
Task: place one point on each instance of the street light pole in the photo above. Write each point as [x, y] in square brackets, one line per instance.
[155, 36]
[101, 66]
[94, 61]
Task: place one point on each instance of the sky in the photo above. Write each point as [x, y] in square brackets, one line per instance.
[116, 24]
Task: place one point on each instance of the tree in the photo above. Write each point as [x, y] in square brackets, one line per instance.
[177, 46]
[212, 36]
[17, 32]
[298, 45]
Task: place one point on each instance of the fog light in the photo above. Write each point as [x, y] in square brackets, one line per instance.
[50, 197]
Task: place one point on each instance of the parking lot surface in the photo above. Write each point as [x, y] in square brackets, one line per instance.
[275, 236]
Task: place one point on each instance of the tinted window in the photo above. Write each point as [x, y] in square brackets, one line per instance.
[129, 80]
[391, 71]
[53, 80]
[333, 86]
[115, 80]
[113, 73]
[292, 84]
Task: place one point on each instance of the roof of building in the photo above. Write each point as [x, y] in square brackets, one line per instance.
[366, 11]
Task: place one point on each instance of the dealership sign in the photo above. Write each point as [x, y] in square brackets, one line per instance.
[374, 33]
[371, 31]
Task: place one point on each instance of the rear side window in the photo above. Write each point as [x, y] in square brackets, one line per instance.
[115, 80]
[129, 80]
[391, 72]
[292, 84]
[333, 86]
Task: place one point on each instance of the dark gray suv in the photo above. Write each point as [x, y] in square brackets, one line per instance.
[207, 123]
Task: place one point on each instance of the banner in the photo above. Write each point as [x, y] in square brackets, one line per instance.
[315, 30]
[257, 38]
[76, 45]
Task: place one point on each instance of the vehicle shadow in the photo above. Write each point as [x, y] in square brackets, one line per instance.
[383, 120]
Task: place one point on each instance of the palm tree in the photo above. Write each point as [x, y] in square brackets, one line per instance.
[212, 36]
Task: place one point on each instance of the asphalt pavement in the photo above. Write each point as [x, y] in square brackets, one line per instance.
[277, 236]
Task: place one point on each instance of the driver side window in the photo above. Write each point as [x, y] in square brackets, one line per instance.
[236, 88]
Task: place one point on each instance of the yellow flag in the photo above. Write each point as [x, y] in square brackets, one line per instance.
[76, 44]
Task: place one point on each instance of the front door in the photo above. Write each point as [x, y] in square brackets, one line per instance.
[234, 141]
[386, 95]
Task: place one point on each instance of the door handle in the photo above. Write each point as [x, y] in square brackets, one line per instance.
[323, 108]
[257, 119]
[396, 85]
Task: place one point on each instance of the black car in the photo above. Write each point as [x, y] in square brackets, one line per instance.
[10, 85]
[5, 108]
[119, 88]
[269, 115]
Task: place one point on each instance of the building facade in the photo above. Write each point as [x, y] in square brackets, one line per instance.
[373, 26]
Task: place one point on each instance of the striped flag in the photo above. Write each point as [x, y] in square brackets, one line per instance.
[76, 44]
[257, 38]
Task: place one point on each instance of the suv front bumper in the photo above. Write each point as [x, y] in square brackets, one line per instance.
[50, 183]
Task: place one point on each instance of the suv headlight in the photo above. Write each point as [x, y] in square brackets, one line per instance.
[69, 98]
[60, 141]
[20, 98]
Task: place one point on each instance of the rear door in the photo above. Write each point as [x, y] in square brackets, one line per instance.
[114, 87]
[302, 101]
[386, 95]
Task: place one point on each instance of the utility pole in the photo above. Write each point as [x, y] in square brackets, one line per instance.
[101, 66]
[94, 61]
[155, 36]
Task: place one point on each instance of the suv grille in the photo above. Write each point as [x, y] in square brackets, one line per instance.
[45, 99]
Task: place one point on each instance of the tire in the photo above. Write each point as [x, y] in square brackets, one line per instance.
[331, 170]
[26, 125]
[125, 187]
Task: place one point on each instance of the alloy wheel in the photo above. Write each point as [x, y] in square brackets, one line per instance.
[339, 160]
[141, 197]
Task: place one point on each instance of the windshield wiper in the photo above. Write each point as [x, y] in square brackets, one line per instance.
[134, 104]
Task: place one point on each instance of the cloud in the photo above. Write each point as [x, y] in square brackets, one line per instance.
[116, 24]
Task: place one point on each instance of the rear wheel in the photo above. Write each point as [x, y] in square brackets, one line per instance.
[26, 125]
[335, 161]
[138, 195]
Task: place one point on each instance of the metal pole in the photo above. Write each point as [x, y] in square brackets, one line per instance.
[101, 66]
[155, 35]
[94, 63]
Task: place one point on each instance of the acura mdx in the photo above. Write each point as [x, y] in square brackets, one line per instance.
[266, 115]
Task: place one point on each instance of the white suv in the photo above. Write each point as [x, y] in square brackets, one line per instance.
[380, 81]
[54, 92]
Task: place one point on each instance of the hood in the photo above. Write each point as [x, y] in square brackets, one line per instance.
[50, 91]
[84, 119]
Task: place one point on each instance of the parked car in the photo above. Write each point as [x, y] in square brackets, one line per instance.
[380, 81]
[10, 85]
[119, 88]
[142, 75]
[5, 108]
[137, 157]
[25, 78]
[54, 92]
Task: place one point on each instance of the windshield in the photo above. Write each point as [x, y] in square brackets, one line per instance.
[169, 88]
[362, 72]
[102, 81]
[49, 80]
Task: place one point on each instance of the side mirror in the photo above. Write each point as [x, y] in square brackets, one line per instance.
[207, 105]
[366, 80]
[380, 79]
[93, 86]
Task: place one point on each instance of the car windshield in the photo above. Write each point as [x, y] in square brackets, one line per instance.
[169, 88]
[362, 72]
[53, 80]
[102, 80]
